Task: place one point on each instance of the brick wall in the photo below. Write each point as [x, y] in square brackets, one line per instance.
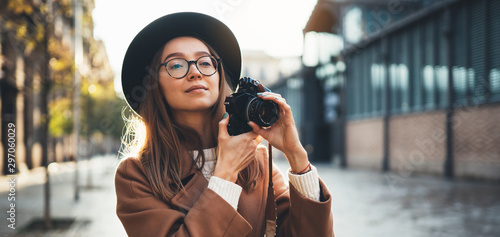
[476, 142]
[417, 143]
[364, 143]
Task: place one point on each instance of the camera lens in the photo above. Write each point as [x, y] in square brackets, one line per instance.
[263, 112]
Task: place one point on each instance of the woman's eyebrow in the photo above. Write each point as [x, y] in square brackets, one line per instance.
[202, 53]
[179, 54]
[176, 54]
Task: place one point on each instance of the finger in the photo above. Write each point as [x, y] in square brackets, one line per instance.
[223, 125]
[285, 109]
[269, 95]
[258, 130]
[258, 139]
[277, 98]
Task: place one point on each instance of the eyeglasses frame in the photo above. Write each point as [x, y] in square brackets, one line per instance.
[195, 62]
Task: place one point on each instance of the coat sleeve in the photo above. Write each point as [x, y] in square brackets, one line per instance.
[299, 215]
[142, 214]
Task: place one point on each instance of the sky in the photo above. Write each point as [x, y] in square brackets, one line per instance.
[273, 26]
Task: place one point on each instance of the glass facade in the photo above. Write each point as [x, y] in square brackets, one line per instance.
[416, 66]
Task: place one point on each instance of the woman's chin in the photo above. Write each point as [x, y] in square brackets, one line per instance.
[196, 106]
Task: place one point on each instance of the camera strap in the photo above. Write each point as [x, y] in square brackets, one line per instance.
[271, 201]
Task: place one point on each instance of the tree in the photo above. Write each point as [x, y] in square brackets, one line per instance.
[30, 24]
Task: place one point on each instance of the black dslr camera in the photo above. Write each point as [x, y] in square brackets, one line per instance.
[244, 106]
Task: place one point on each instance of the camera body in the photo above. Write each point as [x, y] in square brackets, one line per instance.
[244, 106]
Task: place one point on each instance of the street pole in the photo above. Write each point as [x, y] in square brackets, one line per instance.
[76, 99]
[89, 144]
[450, 97]
[46, 84]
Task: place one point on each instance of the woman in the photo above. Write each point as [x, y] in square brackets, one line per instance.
[189, 177]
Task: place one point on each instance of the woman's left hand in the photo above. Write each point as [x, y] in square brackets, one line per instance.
[283, 134]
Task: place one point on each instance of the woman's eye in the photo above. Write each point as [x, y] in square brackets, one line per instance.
[205, 63]
[175, 66]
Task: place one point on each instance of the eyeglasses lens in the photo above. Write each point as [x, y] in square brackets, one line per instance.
[179, 67]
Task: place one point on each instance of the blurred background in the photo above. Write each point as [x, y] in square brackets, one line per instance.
[396, 102]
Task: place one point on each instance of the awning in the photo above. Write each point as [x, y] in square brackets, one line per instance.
[324, 18]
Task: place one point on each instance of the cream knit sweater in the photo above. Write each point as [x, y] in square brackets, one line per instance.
[307, 184]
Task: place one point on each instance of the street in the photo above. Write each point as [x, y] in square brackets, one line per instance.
[365, 202]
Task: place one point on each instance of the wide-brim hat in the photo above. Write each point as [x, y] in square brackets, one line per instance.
[136, 64]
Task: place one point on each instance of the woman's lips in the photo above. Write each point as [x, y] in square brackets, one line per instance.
[196, 89]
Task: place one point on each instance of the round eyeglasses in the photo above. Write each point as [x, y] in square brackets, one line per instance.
[179, 67]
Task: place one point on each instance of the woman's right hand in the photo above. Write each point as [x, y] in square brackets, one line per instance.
[234, 153]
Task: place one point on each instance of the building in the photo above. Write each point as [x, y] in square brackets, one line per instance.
[417, 82]
[260, 66]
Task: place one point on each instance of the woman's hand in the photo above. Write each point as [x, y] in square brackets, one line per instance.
[283, 134]
[234, 153]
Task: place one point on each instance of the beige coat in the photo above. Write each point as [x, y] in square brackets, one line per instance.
[202, 212]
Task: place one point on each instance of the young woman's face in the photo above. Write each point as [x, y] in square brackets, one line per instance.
[195, 91]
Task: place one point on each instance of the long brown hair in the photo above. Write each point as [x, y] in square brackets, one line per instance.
[163, 145]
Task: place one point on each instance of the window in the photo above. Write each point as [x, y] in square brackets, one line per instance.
[416, 82]
[394, 77]
[418, 65]
[428, 67]
[479, 81]
[441, 68]
[494, 49]
[404, 72]
[459, 61]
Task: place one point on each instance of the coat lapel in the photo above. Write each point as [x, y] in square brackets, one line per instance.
[192, 191]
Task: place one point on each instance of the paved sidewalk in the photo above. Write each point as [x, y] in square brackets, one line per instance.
[93, 214]
[365, 202]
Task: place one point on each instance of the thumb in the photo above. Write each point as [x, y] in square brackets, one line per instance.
[223, 125]
[258, 130]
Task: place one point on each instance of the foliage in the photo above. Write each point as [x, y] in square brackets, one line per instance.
[31, 26]
[62, 66]
[101, 110]
[61, 121]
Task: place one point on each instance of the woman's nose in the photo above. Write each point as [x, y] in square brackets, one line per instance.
[193, 72]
